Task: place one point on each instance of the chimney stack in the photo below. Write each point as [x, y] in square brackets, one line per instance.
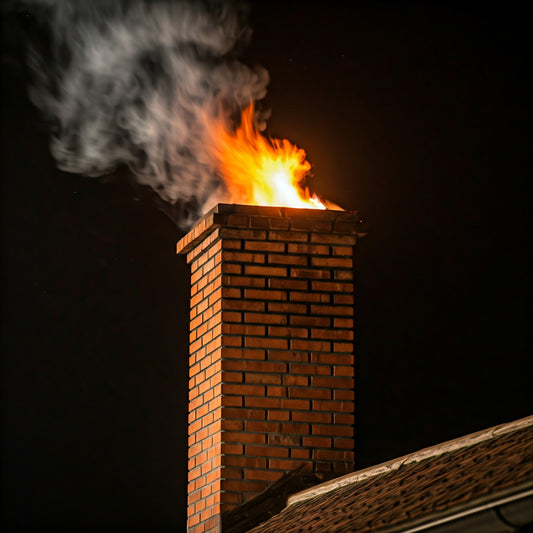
[271, 351]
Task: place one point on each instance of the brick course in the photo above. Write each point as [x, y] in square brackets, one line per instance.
[271, 357]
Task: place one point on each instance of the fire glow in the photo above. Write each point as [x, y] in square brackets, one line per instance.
[259, 171]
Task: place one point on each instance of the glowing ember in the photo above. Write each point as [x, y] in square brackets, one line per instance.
[258, 171]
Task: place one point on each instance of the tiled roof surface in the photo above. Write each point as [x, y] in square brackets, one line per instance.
[415, 489]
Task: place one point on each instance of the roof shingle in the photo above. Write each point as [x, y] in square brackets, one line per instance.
[451, 475]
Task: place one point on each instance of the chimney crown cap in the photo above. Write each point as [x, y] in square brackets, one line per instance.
[254, 217]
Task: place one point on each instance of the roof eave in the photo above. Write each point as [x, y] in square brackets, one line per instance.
[505, 511]
[421, 455]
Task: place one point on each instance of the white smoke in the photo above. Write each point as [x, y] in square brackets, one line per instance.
[133, 83]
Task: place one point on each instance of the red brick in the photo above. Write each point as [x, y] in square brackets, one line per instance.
[288, 284]
[314, 297]
[264, 246]
[263, 475]
[263, 222]
[241, 413]
[274, 355]
[345, 347]
[332, 382]
[344, 299]
[312, 417]
[278, 415]
[334, 406]
[287, 403]
[231, 316]
[242, 486]
[266, 379]
[310, 321]
[258, 294]
[231, 233]
[344, 395]
[347, 444]
[310, 273]
[243, 305]
[331, 358]
[267, 451]
[300, 453]
[343, 322]
[283, 331]
[231, 244]
[332, 334]
[279, 223]
[253, 270]
[265, 318]
[342, 250]
[232, 425]
[343, 371]
[193, 497]
[317, 442]
[331, 310]
[301, 248]
[288, 464]
[231, 473]
[243, 353]
[302, 381]
[286, 259]
[343, 275]
[266, 427]
[235, 220]
[315, 346]
[230, 448]
[332, 262]
[285, 440]
[229, 340]
[288, 236]
[243, 329]
[332, 286]
[242, 390]
[232, 377]
[244, 281]
[311, 224]
[278, 391]
[316, 394]
[242, 257]
[311, 370]
[231, 500]
[340, 418]
[244, 438]
[229, 268]
[262, 402]
[245, 462]
[261, 366]
[266, 342]
[332, 238]
[284, 307]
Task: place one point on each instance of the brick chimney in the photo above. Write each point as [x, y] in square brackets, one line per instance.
[271, 351]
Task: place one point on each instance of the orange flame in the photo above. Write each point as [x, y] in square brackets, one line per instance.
[258, 171]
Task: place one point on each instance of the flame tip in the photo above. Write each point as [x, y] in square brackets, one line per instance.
[262, 171]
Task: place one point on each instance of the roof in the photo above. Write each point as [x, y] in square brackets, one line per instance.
[460, 476]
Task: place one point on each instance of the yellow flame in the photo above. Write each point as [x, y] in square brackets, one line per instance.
[258, 171]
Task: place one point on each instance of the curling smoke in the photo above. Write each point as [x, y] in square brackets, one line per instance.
[135, 83]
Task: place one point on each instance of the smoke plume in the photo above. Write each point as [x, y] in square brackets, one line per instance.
[135, 83]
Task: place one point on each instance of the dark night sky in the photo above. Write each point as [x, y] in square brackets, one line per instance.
[415, 115]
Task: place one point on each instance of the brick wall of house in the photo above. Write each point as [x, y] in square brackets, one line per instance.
[271, 351]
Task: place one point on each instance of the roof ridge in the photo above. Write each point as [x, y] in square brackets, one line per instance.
[415, 457]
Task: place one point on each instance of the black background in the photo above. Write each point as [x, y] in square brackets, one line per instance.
[414, 114]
